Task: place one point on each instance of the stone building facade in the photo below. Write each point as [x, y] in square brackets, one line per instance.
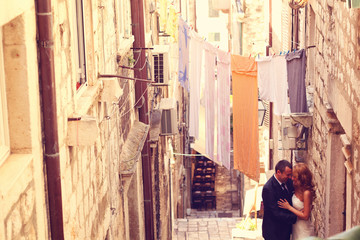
[332, 70]
[92, 193]
[21, 171]
[329, 32]
[99, 134]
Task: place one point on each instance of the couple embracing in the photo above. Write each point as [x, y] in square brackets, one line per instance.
[287, 198]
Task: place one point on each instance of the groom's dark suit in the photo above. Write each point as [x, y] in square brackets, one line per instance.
[277, 222]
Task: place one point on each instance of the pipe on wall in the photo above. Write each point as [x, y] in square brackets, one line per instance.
[138, 30]
[50, 127]
[271, 104]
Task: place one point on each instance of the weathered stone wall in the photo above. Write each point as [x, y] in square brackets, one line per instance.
[333, 29]
[178, 142]
[329, 32]
[93, 195]
[226, 189]
[163, 183]
[254, 29]
[167, 169]
[95, 202]
[22, 199]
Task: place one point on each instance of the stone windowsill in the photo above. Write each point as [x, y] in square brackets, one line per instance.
[15, 175]
[87, 99]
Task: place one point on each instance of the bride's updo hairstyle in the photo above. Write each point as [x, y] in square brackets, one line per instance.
[304, 176]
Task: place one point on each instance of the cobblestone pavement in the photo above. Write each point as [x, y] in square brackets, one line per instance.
[207, 225]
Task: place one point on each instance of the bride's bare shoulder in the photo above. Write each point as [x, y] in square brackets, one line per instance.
[307, 194]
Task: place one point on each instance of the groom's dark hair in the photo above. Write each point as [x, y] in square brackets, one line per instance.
[282, 164]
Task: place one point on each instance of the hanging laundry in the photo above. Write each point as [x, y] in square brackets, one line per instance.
[266, 86]
[245, 116]
[195, 65]
[183, 54]
[223, 108]
[210, 98]
[279, 79]
[296, 80]
[272, 79]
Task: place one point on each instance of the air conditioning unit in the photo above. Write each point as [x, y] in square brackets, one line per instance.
[169, 124]
[160, 72]
[288, 133]
[294, 130]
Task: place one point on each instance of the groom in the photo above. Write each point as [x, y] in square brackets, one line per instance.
[277, 222]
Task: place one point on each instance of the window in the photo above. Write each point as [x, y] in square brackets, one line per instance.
[212, 12]
[159, 68]
[240, 6]
[4, 129]
[125, 18]
[214, 37]
[81, 79]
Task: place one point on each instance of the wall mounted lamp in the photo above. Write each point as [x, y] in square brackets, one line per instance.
[261, 112]
[296, 4]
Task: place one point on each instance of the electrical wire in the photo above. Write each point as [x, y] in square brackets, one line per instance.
[127, 97]
[136, 101]
[124, 102]
[193, 155]
[138, 57]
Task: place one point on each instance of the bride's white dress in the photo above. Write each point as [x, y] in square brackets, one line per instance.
[301, 229]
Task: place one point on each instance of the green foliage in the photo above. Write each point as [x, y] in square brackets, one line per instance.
[131, 60]
[247, 224]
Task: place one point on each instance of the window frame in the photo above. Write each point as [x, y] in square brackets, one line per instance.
[124, 19]
[213, 13]
[4, 126]
[127, 19]
[213, 35]
[80, 47]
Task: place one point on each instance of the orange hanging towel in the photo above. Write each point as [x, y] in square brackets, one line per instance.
[245, 116]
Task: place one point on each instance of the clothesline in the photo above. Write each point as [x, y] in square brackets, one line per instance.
[193, 154]
[278, 77]
[283, 53]
[195, 66]
[244, 72]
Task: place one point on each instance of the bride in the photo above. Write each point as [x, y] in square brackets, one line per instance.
[302, 201]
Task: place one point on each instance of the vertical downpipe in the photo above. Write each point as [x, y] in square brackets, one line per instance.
[296, 29]
[271, 104]
[138, 30]
[51, 152]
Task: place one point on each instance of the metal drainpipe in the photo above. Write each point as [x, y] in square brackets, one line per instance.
[138, 30]
[271, 104]
[51, 152]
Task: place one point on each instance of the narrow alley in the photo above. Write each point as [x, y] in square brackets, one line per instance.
[167, 119]
[213, 225]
